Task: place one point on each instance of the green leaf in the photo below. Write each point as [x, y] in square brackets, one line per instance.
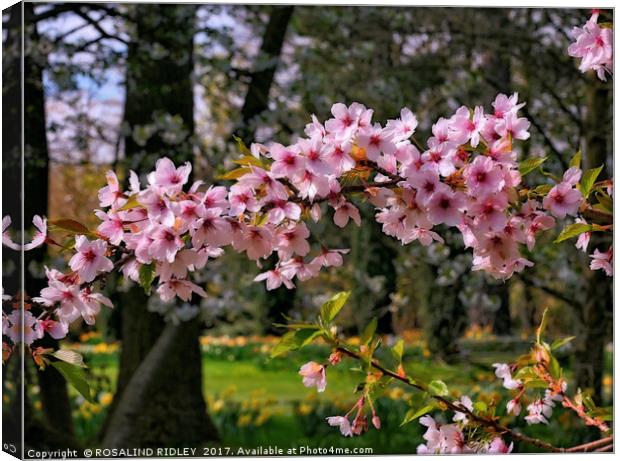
[480, 407]
[606, 201]
[241, 145]
[70, 225]
[146, 277]
[438, 387]
[588, 402]
[588, 179]
[573, 230]
[542, 326]
[248, 160]
[576, 160]
[561, 342]
[537, 384]
[331, 308]
[413, 414]
[132, 202]
[530, 164]
[234, 174]
[369, 331]
[398, 349]
[76, 377]
[525, 373]
[297, 326]
[543, 189]
[70, 357]
[554, 368]
[294, 340]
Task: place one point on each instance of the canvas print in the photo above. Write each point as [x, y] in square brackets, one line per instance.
[306, 230]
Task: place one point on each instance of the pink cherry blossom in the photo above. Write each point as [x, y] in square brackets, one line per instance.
[287, 161]
[498, 445]
[281, 209]
[483, 176]
[330, 258]
[343, 424]
[212, 229]
[562, 200]
[111, 227]
[6, 238]
[28, 330]
[444, 207]
[68, 298]
[56, 330]
[594, 45]
[274, 279]
[403, 127]
[181, 288]
[345, 212]
[90, 258]
[168, 177]
[157, 206]
[312, 150]
[293, 240]
[506, 105]
[502, 371]
[603, 260]
[514, 126]
[338, 158]
[40, 235]
[376, 140]
[166, 243]
[513, 407]
[111, 195]
[216, 198]
[313, 375]
[257, 242]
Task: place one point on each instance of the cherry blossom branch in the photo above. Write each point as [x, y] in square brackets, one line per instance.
[604, 443]
[487, 422]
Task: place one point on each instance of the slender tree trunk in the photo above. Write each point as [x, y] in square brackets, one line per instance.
[170, 409]
[446, 320]
[257, 97]
[595, 312]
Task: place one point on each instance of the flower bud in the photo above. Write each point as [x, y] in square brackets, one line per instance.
[335, 358]
[376, 422]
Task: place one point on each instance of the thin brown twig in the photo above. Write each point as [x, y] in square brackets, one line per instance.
[606, 448]
[589, 445]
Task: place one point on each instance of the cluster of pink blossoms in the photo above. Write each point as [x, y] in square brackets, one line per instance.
[466, 177]
[594, 45]
[450, 438]
[540, 409]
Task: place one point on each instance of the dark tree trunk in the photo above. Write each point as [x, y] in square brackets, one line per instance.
[257, 97]
[56, 429]
[445, 321]
[167, 392]
[54, 395]
[170, 409]
[502, 322]
[12, 407]
[381, 263]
